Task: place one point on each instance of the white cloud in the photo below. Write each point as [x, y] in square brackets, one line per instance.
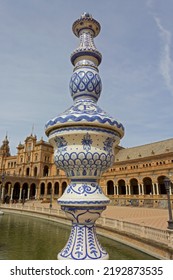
[165, 59]
[165, 65]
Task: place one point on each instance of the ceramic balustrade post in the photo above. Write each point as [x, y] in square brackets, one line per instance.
[84, 138]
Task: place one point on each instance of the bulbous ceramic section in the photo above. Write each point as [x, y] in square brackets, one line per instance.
[83, 193]
[84, 152]
[85, 83]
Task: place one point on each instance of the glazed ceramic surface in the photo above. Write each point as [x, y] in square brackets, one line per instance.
[84, 138]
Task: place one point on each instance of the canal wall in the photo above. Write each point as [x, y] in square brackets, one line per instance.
[155, 242]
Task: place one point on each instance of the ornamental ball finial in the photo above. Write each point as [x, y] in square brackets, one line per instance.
[87, 15]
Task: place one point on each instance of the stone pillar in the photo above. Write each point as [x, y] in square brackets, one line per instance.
[36, 192]
[129, 189]
[157, 188]
[139, 189]
[28, 193]
[142, 185]
[9, 188]
[153, 184]
[117, 190]
[3, 193]
[126, 190]
[20, 194]
[11, 198]
[170, 190]
[60, 188]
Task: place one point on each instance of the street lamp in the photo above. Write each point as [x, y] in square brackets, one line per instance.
[167, 183]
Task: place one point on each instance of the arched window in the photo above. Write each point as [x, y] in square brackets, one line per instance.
[27, 171]
[147, 185]
[122, 187]
[35, 171]
[134, 186]
[32, 191]
[64, 185]
[16, 191]
[45, 170]
[42, 189]
[49, 188]
[110, 187]
[162, 189]
[56, 188]
[24, 190]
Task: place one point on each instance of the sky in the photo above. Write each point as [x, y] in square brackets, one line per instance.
[36, 41]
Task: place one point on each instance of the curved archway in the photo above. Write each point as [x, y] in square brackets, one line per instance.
[16, 191]
[161, 185]
[134, 186]
[32, 190]
[122, 186]
[45, 170]
[110, 187]
[27, 171]
[7, 188]
[49, 188]
[24, 191]
[56, 188]
[35, 171]
[64, 185]
[42, 188]
[147, 182]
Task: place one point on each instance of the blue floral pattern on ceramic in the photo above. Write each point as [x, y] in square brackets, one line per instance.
[61, 144]
[86, 142]
[108, 144]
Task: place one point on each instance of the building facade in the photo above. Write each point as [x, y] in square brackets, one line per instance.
[31, 174]
[136, 178]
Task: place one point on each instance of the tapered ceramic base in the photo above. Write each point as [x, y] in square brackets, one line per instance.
[83, 245]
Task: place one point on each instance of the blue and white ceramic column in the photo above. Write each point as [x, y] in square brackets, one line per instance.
[84, 138]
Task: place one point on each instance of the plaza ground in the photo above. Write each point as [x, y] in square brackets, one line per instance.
[149, 217]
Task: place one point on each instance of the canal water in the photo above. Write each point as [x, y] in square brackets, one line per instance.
[30, 238]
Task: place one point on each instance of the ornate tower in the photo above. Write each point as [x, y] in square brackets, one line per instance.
[5, 149]
[84, 138]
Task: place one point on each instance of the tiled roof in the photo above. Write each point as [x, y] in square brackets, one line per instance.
[147, 150]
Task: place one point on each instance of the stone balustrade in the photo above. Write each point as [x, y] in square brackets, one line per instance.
[159, 236]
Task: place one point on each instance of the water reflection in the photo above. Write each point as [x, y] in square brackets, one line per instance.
[30, 238]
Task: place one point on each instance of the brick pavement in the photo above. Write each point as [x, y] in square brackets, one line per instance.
[151, 217]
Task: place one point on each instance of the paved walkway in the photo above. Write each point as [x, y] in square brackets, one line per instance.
[151, 217]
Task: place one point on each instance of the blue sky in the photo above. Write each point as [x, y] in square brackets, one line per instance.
[36, 41]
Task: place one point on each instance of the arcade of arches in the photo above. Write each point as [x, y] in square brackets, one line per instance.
[17, 191]
[134, 187]
[139, 192]
[136, 178]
